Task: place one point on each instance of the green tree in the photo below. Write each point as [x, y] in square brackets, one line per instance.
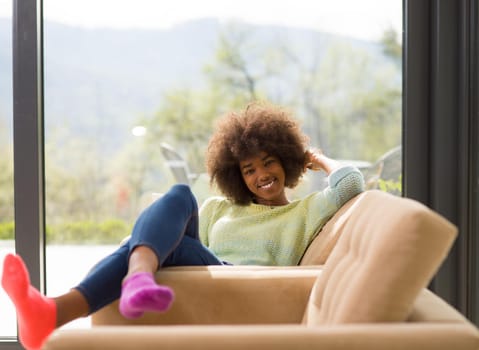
[347, 96]
[6, 183]
[350, 100]
[391, 46]
[6, 172]
[184, 120]
[231, 67]
[75, 178]
[244, 69]
[134, 174]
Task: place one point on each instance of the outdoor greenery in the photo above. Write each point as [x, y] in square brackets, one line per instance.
[7, 230]
[348, 99]
[391, 186]
[88, 232]
[79, 232]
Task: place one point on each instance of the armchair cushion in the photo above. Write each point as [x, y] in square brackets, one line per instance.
[388, 251]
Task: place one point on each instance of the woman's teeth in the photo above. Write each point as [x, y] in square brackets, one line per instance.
[266, 186]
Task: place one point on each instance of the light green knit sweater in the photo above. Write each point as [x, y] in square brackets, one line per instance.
[262, 235]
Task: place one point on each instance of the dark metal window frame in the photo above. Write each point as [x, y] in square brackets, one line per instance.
[440, 112]
[28, 141]
[440, 134]
[28, 131]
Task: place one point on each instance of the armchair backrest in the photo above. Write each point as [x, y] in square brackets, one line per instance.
[388, 250]
[322, 245]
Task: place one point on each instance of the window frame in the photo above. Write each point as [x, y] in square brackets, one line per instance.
[440, 107]
[28, 136]
[28, 142]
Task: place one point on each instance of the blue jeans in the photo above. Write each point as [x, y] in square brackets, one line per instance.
[169, 227]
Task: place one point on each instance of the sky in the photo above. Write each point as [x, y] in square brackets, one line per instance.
[364, 19]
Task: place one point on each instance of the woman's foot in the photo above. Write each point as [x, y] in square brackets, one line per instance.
[36, 313]
[141, 293]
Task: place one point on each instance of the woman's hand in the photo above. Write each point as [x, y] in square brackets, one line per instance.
[316, 160]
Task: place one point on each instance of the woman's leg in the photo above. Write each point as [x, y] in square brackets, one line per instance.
[158, 233]
[162, 226]
[159, 229]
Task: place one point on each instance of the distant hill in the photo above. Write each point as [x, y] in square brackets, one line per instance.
[95, 78]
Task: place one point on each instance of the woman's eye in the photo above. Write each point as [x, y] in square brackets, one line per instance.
[268, 162]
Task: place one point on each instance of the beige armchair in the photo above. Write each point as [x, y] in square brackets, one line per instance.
[380, 253]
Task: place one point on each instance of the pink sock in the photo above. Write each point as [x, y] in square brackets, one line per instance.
[36, 313]
[140, 293]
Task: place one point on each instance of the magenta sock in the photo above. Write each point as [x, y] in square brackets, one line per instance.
[140, 293]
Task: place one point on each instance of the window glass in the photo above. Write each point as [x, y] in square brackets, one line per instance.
[132, 90]
[8, 327]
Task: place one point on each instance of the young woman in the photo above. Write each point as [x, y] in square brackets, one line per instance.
[252, 158]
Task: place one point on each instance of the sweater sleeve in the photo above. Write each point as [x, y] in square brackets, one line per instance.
[346, 182]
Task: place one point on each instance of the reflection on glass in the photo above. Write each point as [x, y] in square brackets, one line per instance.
[130, 101]
[8, 327]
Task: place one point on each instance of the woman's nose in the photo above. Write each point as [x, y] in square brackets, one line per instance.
[263, 173]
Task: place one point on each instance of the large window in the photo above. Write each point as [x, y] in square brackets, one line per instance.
[7, 320]
[123, 86]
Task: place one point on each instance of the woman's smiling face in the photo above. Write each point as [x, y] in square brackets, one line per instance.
[264, 176]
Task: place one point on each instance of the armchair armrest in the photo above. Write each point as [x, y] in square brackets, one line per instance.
[227, 295]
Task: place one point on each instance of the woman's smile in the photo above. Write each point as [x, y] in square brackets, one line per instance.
[267, 185]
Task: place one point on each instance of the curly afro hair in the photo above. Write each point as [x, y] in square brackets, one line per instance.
[259, 128]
